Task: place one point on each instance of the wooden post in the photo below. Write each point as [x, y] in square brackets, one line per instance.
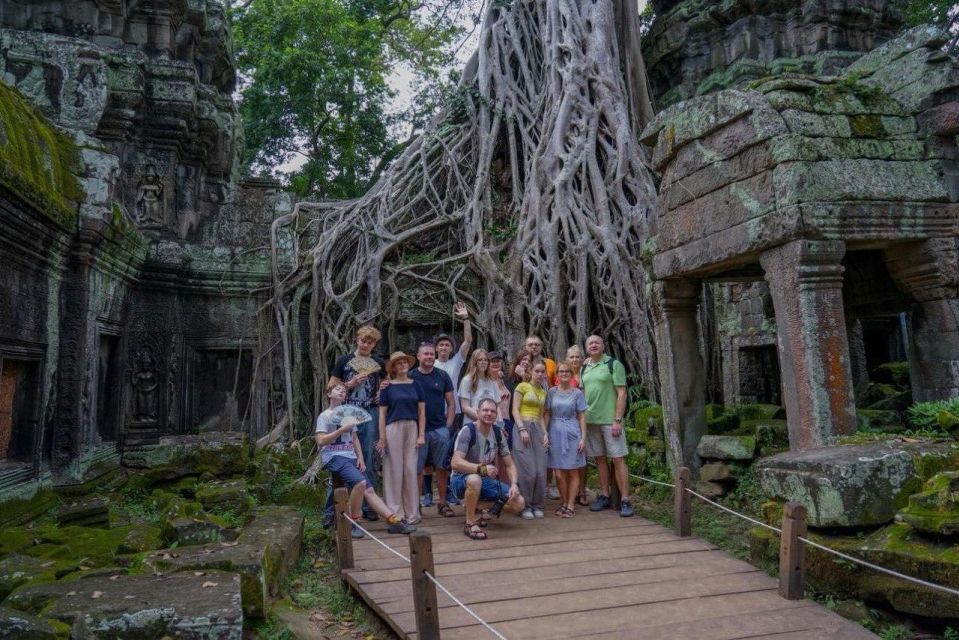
[792, 563]
[344, 537]
[682, 508]
[424, 591]
[615, 500]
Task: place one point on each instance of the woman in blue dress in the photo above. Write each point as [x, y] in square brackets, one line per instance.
[565, 417]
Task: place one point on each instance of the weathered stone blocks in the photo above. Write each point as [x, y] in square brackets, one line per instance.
[185, 606]
[935, 510]
[853, 485]
[262, 556]
[727, 447]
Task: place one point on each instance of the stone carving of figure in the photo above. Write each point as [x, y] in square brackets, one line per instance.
[149, 199]
[145, 386]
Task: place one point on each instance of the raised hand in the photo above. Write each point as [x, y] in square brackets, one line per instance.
[460, 310]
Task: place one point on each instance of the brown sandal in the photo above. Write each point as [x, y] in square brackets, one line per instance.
[483, 518]
[473, 531]
[582, 500]
[567, 513]
[445, 510]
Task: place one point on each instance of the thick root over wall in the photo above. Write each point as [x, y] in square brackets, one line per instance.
[528, 197]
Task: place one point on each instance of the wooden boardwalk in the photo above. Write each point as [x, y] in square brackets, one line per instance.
[593, 576]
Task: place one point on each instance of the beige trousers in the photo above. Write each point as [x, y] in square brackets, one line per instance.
[400, 477]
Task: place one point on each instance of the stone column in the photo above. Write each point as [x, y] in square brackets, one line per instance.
[682, 373]
[805, 279]
[929, 272]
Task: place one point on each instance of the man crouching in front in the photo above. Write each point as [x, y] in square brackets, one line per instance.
[475, 476]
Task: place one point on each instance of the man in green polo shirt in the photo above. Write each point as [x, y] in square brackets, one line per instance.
[604, 383]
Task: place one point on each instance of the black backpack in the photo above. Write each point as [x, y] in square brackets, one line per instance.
[497, 433]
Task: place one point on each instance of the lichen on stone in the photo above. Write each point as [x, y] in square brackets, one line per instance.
[36, 161]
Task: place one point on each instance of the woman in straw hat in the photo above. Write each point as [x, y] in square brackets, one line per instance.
[402, 432]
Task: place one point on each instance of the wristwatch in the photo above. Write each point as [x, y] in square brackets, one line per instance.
[617, 419]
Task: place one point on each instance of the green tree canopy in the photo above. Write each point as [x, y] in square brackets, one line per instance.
[315, 83]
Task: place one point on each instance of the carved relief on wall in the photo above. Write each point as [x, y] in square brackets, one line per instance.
[145, 384]
[149, 205]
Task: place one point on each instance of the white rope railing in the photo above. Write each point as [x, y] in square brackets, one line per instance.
[876, 567]
[651, 481]
[429, 576]
[377, 540]
[807, 541]
[735, 513]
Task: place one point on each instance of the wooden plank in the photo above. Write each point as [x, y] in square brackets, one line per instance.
[639, 616]
[612, 573]
[811, 622]
[453, 543]
[589, 597]
[399, 570]
[382, 558]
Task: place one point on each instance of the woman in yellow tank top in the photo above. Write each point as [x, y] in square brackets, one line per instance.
[530, 441]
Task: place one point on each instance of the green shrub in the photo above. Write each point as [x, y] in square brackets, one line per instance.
[938, 415]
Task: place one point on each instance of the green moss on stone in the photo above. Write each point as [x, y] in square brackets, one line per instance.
[36, 161]
[867, 126]
[21, 511]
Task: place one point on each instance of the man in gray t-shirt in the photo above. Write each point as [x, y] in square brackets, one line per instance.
[475, 475]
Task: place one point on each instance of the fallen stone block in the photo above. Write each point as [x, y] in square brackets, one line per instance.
[228, 494]
[17, 569]
[936, 509]
[92, 511]
[136, 607]
[262, 555]
[710, 489]
[853, 485]
[23, 626]
[199, 530]
[716, 472]
[727, 447]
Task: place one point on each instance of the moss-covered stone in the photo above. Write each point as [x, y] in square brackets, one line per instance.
[772, 436]
[896, 373]
[17, 569]
[893, 546]
[36, 161]
[726, 447]
[89, 546]
[21, 511]
[936, 509]
[14, 539]
[23, 626]
[142, 537]
[722, 424]
[230, 495]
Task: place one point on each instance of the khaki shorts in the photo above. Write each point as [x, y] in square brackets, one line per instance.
[600, 441]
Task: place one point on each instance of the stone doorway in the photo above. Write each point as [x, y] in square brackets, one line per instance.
[18, 409]
[759, 379]
[109, 388]
[220, 389]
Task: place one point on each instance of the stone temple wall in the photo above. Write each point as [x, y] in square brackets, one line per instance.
[128, 309]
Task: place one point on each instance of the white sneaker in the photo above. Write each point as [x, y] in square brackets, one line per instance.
[552, 493]
[538, 513]
[527, 514]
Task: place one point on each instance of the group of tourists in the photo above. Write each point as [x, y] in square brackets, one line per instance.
[507, 433]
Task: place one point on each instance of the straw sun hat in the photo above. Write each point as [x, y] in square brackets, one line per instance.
[395, 357]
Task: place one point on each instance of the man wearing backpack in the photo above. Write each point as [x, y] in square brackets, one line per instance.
[604, 382]
[475, 475]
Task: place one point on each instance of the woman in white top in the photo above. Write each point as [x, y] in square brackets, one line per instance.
[478, 383]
